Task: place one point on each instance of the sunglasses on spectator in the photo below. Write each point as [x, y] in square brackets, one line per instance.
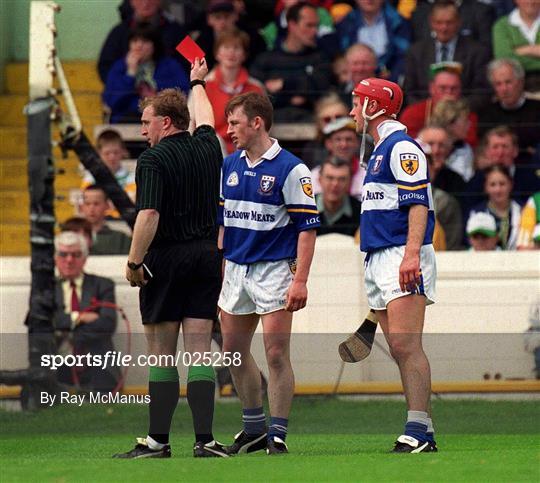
[68, 254]
[327, 119]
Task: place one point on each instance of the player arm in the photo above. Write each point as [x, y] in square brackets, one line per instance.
[298, 293]
[409, 167]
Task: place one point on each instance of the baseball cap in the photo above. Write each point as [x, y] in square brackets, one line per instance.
[452, 67]
[215, 6]
[483, 223]
[339, 124]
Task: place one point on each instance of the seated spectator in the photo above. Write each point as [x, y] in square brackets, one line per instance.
[141, 73]
[361, 64]
[453, 116]
[511, 107]
[112, 151]
[148, 12]
[228, 78]
[530, 221]
[327, 109]
[81, 325]
[438, 139]
[340, 212]
[377, 24]
[341, 141]
[517, 36]
[477, 19]
[506, 211]
[275, 31]
[295, 73]
[500, 146]
[221, 17]
[78, 224]
[105, 240]
[482, 232]
[447, 212]
[445, 84]
[447, 45]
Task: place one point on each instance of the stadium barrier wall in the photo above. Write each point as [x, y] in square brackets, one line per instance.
[474, 330]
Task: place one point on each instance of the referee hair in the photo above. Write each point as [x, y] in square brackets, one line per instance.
[254, 104]
[171, 103]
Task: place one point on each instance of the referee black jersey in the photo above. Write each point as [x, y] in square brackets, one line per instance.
[179, 177]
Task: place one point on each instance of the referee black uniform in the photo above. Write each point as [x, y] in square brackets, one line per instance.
[179, 177]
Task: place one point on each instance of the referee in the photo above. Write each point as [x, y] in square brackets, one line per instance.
[175, 260]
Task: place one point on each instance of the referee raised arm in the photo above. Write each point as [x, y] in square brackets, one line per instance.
[174, 258]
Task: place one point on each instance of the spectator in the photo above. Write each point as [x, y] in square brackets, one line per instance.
[517, 36]
[116, 45]
[482, 232]
[275, 31]
[476, 20]
[511, 107]
[81, 325]
[327, 109]
[447, 45]
[377, 24]
[112, 150]
[141, 73]
[445, 84]
[361, 64]
[454, 117]
[105, 240]
[229, 78]
[341, 142]
[221, 17]
[530, 221]
[440, 145]
[506, 211]
[295, 73]
[340, 212]
[80, 225]
[447, 212]
[500, 146]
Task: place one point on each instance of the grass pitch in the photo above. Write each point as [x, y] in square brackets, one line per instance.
[329, 440]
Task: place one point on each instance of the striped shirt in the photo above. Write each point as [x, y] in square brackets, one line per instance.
[179, 177]
[265, 205]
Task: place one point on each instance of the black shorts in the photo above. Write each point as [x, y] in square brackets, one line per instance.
[186, 282]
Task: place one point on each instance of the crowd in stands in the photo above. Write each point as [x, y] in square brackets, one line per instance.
[470, 71]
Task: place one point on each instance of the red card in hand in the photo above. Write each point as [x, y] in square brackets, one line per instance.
[189, 49]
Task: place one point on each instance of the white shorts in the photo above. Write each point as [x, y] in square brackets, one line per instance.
[382, 276]
[258, 288]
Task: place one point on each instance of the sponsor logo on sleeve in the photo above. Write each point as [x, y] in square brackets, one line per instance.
[307, 187]
[232, 180]
[409, 163]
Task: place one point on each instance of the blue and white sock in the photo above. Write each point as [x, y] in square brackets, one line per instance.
[417, 425]
[278, 427]
[254, 421]
[430, 433]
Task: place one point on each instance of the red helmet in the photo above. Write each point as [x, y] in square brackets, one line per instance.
[388, 94]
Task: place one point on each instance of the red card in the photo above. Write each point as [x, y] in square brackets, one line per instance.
[189, 49]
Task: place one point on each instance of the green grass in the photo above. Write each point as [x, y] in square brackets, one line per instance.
[330, 440]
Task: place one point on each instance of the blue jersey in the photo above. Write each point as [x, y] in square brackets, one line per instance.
[397, 177]
[264, 205]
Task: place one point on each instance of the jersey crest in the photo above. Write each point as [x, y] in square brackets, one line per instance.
[267, 183]
[307, 187]
[409, 163]
[232, 180]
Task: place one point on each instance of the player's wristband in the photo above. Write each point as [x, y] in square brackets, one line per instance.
[197, 82]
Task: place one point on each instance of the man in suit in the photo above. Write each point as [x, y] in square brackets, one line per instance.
[81, 325]
[447, 45]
